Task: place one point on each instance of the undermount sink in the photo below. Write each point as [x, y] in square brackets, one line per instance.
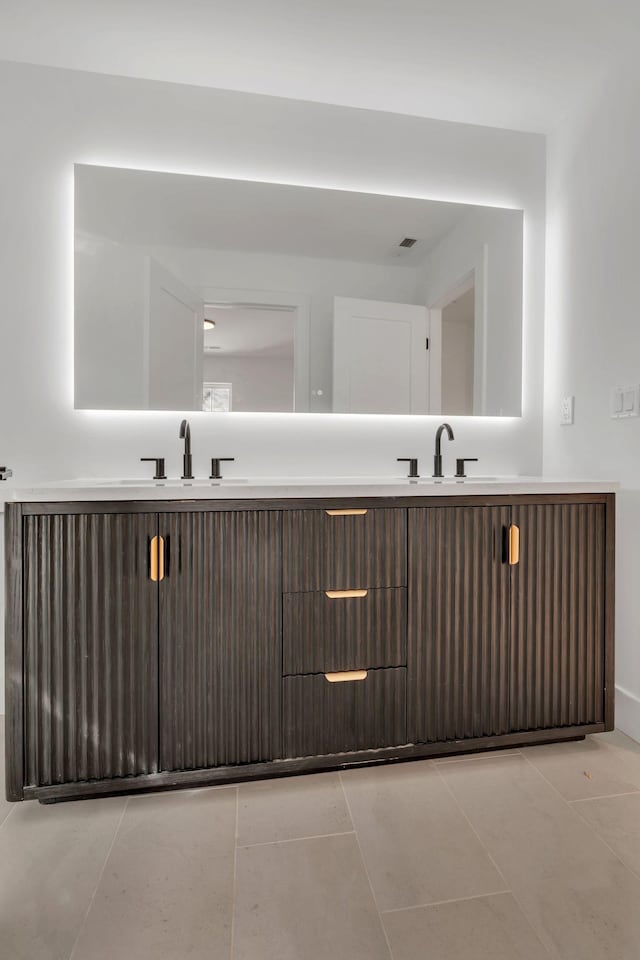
[469, 480]
[174, 482]
[170, 482]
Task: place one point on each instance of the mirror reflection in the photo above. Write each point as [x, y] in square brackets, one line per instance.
[199, 293]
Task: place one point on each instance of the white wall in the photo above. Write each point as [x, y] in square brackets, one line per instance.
[109, 342]
[52, 118]
[490, 242]
[593, 334]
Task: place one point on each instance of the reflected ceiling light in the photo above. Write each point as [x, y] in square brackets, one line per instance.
[209, 324]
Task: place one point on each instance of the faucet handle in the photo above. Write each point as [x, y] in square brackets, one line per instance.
[159, 462]
[413, 465]
[5, 473]
[216, 472]
[460, 462]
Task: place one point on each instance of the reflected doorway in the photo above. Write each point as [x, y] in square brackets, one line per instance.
[249, 358]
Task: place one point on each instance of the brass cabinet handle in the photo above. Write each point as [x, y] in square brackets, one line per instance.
[345, 513]
[345, 594]
[156, 559]
[346, 676]
[514, 545]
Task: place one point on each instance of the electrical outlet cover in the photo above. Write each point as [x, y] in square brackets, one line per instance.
[567, 411]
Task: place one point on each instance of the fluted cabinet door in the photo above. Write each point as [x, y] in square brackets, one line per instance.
[91, 648]
[458, 636]
[558, 611]
[220, 639]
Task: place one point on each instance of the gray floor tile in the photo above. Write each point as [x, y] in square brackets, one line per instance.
[485, 928]
[167, 888]
[416, 843]
[588, 768]
[617, 739]
[306, 900]
[292, 808]
[582, 901]
[617, 821]
[51, 858]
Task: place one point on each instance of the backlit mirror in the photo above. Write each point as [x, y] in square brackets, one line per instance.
[200, 293]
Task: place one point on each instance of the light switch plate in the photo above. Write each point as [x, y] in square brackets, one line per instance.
[625, 402]
[567, 411]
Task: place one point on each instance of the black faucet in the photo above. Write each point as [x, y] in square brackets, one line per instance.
[159, 462]
[187, 460]
[437, 460]
[413, 466]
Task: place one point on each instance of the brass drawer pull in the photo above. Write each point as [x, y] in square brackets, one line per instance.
[345, 513]
[345, 594]
[156, 559]
[514, 545]
[346, 676]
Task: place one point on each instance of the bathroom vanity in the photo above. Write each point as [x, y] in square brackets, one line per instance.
[162, 636]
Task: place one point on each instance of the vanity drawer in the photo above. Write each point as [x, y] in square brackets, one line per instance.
[343, 548]
[337, 717]
[344, 630]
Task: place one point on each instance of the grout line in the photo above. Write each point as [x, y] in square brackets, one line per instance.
[439, 903]
[234, 887]
[571, 805]
[487, 755]
[366, 872]
[13, 806]
[539, 933]
[604, 796]
[99, 880]
[314, 836]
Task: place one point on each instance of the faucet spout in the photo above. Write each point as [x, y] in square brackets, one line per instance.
[437, 459]
[187, 459]
[185, 434]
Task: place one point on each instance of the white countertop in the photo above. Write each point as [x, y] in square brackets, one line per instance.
[280, 488]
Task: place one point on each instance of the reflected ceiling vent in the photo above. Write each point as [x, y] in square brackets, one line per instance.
[407, 242]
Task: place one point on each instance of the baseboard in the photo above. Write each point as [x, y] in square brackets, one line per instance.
[628, 713]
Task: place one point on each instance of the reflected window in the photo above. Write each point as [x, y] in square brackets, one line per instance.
[216, 397]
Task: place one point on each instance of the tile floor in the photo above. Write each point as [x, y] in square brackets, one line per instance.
[522, 855]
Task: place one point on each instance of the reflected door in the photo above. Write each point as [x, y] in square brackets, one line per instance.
[379, 357]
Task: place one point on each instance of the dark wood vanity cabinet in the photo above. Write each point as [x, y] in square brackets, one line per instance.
[505, 635]
[220, 639]
[90, 648]
[344, 636]
[459, 630]
[151, 643]
[561, 617]
[176, 643]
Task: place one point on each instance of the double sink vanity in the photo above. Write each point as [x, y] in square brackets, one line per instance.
[164, 633]
[172, 633]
